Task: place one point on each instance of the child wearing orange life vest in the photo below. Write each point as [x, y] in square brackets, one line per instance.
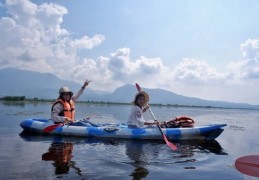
[63, 110]
[136, 119]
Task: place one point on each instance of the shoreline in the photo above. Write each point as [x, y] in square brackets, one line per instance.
[35, 101]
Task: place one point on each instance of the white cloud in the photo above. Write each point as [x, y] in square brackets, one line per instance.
[86, 42]
[238, 82]
[250, 49]
[32, 37]
[118, 69]
[150, 66]
[122, 68]
[248, 66]
[196, 71]
[120, 64]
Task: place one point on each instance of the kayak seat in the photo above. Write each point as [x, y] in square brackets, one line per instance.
[110, 129]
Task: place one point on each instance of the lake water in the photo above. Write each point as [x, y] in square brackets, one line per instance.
[25, 156]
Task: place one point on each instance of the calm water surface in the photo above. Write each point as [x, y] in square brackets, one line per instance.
[27, 156]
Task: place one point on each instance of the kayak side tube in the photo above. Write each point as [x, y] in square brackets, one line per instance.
[208, 132]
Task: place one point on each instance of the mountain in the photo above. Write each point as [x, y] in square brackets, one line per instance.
[15, 82]
[127, 93]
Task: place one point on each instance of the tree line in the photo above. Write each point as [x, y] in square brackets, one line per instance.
[13, 98]
[35, 100]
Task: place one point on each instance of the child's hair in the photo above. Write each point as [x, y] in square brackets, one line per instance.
[136, 99]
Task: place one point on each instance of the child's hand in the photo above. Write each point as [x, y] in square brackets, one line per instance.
[146, 108]
[68, 120]
[86, 83]
[157, 122]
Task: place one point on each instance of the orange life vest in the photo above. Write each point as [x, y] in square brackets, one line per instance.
[180, 121]
[68, 108]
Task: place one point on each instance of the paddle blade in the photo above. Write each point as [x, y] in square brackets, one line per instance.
[51, 128]
[248, 165]
[171, 145]
[138, 87]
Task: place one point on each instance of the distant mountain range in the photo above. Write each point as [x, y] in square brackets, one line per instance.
[15, 82]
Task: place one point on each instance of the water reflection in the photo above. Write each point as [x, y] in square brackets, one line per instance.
[188, 148]
[139, 173]
[137, 150]
[61, 154]
[13, 103]
[142, 155]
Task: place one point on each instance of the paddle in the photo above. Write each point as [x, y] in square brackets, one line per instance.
[248, 165]
[171, 145]
[55, 126]
[52, 127]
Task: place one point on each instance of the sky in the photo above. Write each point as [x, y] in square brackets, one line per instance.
[204, 48]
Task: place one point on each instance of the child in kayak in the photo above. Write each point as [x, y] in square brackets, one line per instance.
[136, 119]
[63, 110]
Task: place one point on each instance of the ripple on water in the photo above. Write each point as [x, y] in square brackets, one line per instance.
[92, 158]
[236, 128]
[25, 113]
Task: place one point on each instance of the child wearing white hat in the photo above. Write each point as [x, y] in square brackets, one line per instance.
[63, 110]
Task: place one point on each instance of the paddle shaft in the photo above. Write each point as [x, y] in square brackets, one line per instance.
[164, 136]
[52, 127]
[55, 126]
[155, 120]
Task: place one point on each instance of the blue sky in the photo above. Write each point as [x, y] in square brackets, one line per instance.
[170, 29]
[203, 48]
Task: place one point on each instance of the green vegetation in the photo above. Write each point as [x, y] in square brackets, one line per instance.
[36, 100]
[13, 98]
[24, 99]
[102, 103]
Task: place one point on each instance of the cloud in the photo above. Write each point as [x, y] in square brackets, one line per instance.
[32, 37]
[250, 49]
[196, 71]
[150, 66]
[86, 42]
[120, 64]
[123, 68]
[248, 67]
[237, 82]
[118, 68]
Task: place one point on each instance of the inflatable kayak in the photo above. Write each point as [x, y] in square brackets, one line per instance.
[208, 132]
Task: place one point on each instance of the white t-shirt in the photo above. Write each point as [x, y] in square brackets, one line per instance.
[136, 117]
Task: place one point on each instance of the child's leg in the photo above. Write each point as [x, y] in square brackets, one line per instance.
[91, 123]
[79, 123]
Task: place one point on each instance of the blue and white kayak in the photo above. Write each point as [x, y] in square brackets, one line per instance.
[208, 132]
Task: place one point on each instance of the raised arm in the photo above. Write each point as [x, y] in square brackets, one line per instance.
[81, 90]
